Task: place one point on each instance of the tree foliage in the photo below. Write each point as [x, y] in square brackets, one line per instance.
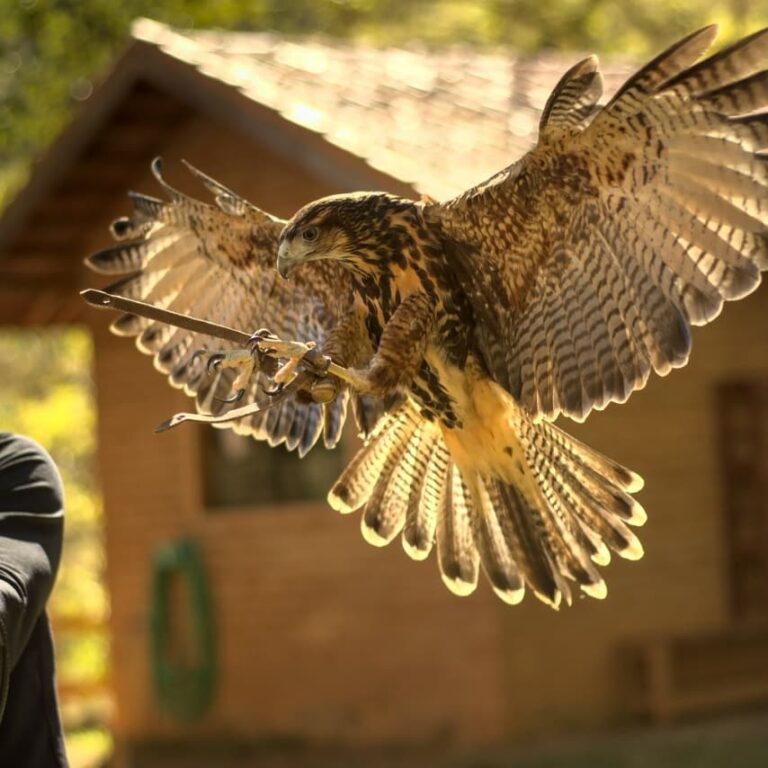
[51, 51]
[47, 396]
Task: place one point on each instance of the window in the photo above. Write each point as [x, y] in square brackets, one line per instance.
[743, 415]
[240, 471]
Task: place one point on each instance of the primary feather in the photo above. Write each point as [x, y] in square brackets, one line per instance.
[588, 259]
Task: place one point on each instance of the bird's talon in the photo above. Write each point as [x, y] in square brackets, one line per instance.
[276, 390]
[198, 353]
[258, 336]
[214, 361]
[237, 397]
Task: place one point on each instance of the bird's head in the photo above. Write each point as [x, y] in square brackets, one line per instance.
[346, 228]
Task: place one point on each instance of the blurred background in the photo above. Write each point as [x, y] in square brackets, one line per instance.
[210, 609]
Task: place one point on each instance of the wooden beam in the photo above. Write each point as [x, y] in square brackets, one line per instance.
[94, 169]
[145, 98]
[131, 140]
[77, 206]
[336, 166]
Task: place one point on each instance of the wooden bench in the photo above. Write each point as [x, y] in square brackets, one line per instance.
[707, 672]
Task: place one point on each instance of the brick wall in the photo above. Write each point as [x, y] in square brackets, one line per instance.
[321, 636]
[574, 670]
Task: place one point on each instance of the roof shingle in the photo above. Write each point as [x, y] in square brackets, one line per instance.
[440, 120]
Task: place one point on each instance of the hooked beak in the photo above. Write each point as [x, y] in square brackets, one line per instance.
[284, 261]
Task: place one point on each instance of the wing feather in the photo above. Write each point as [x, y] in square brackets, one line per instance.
[587, 261]
[216, 261]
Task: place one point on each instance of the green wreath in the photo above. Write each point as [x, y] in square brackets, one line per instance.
[183, 691]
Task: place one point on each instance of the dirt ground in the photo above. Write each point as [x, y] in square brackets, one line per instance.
[736, 742]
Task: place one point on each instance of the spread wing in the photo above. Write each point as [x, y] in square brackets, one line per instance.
[217, 262]
[588, 260]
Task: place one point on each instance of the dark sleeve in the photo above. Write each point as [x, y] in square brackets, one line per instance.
[31, 528]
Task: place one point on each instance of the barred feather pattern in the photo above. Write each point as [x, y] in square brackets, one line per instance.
[588, 260]
[547, 536]
[216, 261]
[576, 509]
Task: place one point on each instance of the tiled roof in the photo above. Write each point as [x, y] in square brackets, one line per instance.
[442, 120]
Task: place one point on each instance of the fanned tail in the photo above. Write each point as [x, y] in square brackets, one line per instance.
[405, 483]
[577, 511]
[544, 526]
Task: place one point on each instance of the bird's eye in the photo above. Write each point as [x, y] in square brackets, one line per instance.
[310, 234]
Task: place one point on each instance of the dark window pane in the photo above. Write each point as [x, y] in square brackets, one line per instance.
[240, 471]
[743, 417]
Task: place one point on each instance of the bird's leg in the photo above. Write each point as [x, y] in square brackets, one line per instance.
[400, 353]
[345, 345]
[354, 378]
[280, 360]
[240, 359]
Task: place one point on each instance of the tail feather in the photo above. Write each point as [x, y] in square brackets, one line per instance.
[611, 470]
[573, 549]
[425, 500]
[456, 551]
[384, 512]
[527, 548]
[598, 550]
[596, 500]
[496, 557]
[591, 488]
[545, 529]
[375, 460]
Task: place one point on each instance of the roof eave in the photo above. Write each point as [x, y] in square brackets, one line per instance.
[143, 61]
[64, 151]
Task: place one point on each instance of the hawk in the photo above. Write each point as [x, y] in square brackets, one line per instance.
[463, 329]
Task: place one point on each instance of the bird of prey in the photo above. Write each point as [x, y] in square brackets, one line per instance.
[461, 330]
